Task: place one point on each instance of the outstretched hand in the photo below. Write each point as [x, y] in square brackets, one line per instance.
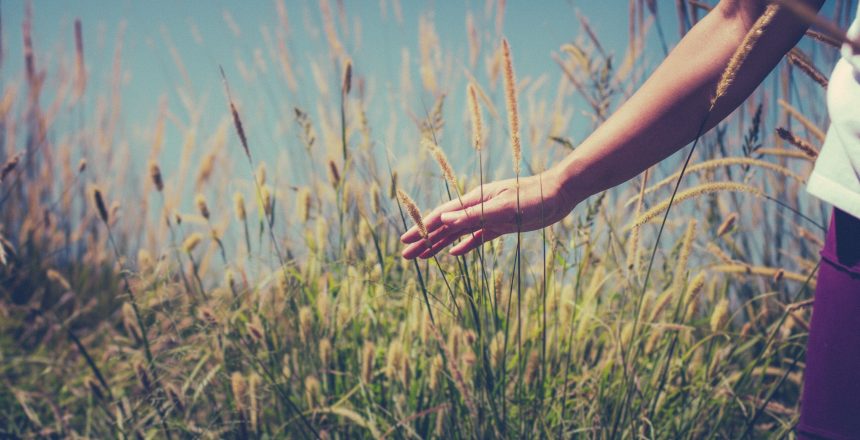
[485, 214]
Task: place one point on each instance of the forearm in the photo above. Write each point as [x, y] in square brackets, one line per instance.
[668, 109]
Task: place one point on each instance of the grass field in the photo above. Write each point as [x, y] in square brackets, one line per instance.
[231, 298]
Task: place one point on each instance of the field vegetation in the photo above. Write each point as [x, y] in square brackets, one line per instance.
[239, 296]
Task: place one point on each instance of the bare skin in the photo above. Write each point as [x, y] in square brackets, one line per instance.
[663, 116]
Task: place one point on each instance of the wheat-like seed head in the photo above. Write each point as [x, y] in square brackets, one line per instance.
[303, 203]
[661, 302]
[397, 363]
[266, 195]
[239, 206]
[239, 387]
[333, 173]
[801, 144]
[684, 254]
[475, 112]
[101, 208]
[313, 391]
[706, 188]
[58, 278]
[802, 62]
[346, 86]
[442, 160]
[368, 354]
[474, 39]
[191, 242]
[633, 248]
[715, 164]
[763, 271]
[375, 198]
[691, 299]
[202, 207]
[155, 174]
[237, 121]
[207, 165]
[81, 75]
[325, 351]
[720, 315]
[743, 51]
[727, 224]
[511, 103]
[306, 322]
[413, 211]
[9, 166]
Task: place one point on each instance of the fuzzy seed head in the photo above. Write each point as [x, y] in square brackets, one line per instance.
[155, 174]
[313, 391]
[101, 208]
[306, 322]
[727, 224]
[9, 166]
[347, 78]
[413, 211]
[239, 387]
[511, 105]
[239, 206]
[720, 315]
[266, 195]
[303, 203]
[202, 207]
[442, 160]
[475, 114]
[368, 355]
[375, 198]
[325, 351]
[191, 242]
[261, 174]
[743, 51]
[333, 173]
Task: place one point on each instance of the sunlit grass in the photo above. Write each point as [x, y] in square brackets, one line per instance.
[226, 300]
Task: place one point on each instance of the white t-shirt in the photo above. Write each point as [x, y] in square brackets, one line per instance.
[836, 176]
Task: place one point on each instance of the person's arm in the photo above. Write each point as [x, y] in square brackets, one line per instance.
[660, 118]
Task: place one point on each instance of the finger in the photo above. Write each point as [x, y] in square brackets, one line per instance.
[438, 246]
[492, 213]
[440, 243]
[434, 219]
[413, 250]
[480, 237]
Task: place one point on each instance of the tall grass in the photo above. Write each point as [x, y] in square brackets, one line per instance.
[136, 302]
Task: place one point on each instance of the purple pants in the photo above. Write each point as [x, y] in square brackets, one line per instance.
[830, 405]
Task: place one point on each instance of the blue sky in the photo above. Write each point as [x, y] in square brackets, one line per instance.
[535, 30]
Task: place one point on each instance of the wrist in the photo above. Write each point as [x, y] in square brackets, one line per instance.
[573, 186]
